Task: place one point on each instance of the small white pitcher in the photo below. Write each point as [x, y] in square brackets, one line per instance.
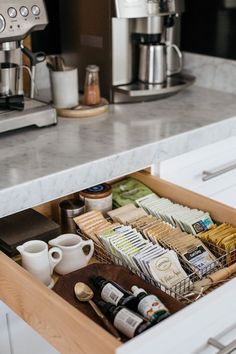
[72, 247]
[39, 261]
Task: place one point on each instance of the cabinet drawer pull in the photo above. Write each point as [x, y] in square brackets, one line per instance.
[206, 175]
[222, 348]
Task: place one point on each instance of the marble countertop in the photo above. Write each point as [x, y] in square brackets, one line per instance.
[39, 165]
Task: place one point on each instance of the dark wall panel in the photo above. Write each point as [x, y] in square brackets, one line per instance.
[209, 27]
[49, 39]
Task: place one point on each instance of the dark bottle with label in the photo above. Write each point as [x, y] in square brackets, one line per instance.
[125, 320]
[113, 293]
[150, 306]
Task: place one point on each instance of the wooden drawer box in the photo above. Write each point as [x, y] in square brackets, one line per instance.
[68, 330]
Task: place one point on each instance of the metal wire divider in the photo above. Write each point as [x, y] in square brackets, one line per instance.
[183, 287]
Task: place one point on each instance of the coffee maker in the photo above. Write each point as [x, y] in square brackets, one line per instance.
[135, 43]
[18, 18]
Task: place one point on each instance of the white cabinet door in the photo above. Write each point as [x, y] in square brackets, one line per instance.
[4, 335]
[224, 339]
[188, 331]
[17, 337]
[226, 194]
[25, 340]
[218, 161]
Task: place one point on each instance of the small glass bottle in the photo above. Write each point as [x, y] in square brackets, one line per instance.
[150, 306]
[125, 320]
[113, 293]
[92, 94]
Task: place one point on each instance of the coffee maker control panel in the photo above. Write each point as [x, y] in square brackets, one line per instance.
[20, 18]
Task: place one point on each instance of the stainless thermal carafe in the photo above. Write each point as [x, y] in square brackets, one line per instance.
[9, 79]
[152, 65]
[153, 62]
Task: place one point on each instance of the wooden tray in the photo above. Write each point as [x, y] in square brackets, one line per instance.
[65, 287]
[83, 111]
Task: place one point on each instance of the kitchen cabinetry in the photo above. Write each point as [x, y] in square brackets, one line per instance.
[17, 337]
[210, 171]
[4, 331]
[70, 331]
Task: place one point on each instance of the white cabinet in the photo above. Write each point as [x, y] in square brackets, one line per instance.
[5, 347]
[17, 337]
[210, 171]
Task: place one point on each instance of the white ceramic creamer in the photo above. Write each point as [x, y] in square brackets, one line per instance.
[39, 261]
[73, 255]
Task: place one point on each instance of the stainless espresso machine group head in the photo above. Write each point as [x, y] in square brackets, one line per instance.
[135, 43]
[18, 18]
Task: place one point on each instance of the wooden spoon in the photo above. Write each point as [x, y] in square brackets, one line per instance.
[85, 294]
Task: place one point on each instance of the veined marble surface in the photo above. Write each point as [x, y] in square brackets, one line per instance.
[39, 165]
[212, 72]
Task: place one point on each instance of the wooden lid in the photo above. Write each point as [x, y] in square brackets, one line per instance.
[97, 192]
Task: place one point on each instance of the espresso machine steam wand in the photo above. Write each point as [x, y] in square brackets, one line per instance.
[35, 58]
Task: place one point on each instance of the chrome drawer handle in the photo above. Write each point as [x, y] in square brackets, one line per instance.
[206, 175]
[223, 349]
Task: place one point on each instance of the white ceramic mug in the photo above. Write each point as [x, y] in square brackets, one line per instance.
[65, 88]
[39, 261]
[74, 257]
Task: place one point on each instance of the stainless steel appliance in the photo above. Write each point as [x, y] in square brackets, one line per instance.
[153, 65]
[109, 33]
[18, 18]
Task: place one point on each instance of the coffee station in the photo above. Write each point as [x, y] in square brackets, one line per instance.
[92, 205]
[139, 41]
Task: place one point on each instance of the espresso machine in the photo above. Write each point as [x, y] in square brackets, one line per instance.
[135, 43]
[18, 18]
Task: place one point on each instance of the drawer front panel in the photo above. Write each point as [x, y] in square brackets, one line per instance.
[188, 331]
[188, 169]
[4, 334]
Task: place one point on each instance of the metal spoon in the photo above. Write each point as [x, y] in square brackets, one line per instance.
[85, 294]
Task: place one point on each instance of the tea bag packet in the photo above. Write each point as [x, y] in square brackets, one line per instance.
[143, 222]
[114, 214]
[196, 224]
[89, 222]
[223, 237]
[193, 221]
[189, 248]
[127, 191]
[105, 236]
[119, 235]
[128, 254]
[148, 259]
[198, 257]
[167, 270]
[127, 214]
[155, 233]
[147, 201]
[150, 251]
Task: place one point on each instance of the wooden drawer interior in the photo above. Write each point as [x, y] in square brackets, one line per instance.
[68, 330]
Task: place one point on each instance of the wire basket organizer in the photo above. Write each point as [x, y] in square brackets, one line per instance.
[178, 291]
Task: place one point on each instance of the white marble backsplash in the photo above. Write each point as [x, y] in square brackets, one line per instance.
[212, 72]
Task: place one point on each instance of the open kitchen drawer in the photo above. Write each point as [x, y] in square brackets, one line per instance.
[69, 331]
